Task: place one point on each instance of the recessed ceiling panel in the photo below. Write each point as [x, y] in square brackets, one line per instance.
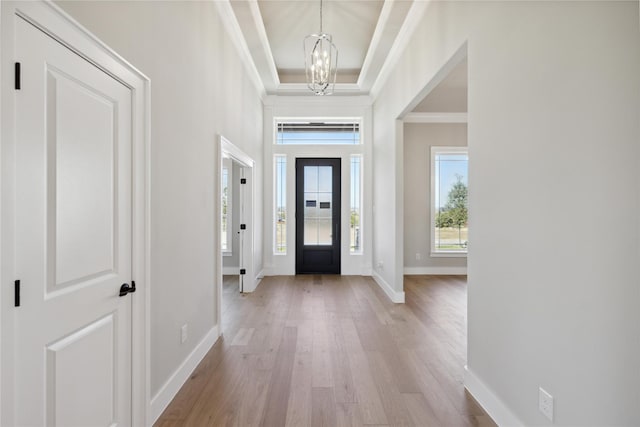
[287, 22]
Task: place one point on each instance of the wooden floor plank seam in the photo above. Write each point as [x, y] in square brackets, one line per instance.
[317, 350]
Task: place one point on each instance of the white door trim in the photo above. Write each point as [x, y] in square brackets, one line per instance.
[52, 20]
[226, 149]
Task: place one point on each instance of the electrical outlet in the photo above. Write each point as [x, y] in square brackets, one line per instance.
[184, 333]
[418, 256]
[380, 265]
[545, 403]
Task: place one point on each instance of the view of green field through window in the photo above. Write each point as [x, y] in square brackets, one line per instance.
[450, 201]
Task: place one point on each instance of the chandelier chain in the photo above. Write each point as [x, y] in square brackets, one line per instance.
[320, 16]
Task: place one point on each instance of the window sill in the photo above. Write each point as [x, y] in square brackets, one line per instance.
[227, 253]
[448, 254]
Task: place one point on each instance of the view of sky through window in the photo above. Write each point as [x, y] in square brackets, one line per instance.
[450, 199]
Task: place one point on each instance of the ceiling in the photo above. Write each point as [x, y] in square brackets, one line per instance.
[450, 95]
[369, 35]
[364, 32]
[350, 23]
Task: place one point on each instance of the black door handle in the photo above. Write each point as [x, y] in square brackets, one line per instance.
[126, 289]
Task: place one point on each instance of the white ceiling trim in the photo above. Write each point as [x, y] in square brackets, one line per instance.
[436, 118]
[325, 101]
[264, 40]
[340, 89]
[385, 13]
[260, 61]
[414, 17]
[228, 18]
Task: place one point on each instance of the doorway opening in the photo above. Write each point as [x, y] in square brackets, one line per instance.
[235, 223]
[318, 215]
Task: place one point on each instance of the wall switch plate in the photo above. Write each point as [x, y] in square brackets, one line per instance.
[184, 333]
[418, 256]
[545, 403]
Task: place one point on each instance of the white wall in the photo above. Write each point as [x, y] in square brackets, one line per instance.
[554, 133]
[418, 140]
[199, 89]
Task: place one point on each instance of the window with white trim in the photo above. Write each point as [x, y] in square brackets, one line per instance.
[449, 201]
[325, 132]
[280, 205]
[355, 224]
[226, 232]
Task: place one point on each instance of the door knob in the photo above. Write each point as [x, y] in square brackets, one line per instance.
[126, 289]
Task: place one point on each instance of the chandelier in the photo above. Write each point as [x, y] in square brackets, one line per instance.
[321, 61]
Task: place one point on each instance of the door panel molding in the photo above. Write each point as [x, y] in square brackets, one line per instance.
[51, 20]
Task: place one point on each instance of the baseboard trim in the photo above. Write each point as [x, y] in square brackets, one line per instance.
[394, 296]
[445, 271]
[170, 388]
[251, 287]
[230, 271]
[491, 403]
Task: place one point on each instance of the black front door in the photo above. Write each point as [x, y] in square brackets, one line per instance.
[317, 216]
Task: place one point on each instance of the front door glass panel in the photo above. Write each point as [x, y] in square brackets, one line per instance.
[318, 194]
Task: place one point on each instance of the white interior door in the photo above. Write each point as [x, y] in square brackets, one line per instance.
[73, 238]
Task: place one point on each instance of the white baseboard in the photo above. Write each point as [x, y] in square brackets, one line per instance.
[170, 388]
[445, 271]
[250, 287]
[258, 279]
[230, 271]
[491, 403]
[393, 295]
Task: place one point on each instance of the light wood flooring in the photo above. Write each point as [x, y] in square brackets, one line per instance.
[334, 351]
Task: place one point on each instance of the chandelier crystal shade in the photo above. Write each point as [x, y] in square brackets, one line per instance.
[321, 61]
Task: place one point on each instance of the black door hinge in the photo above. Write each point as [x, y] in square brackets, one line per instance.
[243, 226]
[17, 76]
[243, 180]
[16, 287]
[243, 271]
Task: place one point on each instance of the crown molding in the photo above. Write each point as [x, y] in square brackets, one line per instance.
[232, 26]
[260, 61]
[413, 19]
[264, 41]
[385, 13]
[301, 89]
[338, 101]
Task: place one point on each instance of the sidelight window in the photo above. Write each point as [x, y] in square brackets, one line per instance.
[355, 226]
[280, 204]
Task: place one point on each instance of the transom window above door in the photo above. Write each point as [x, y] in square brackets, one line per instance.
[317, 132]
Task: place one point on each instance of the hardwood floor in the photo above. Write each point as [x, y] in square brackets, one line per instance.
[334, 351]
